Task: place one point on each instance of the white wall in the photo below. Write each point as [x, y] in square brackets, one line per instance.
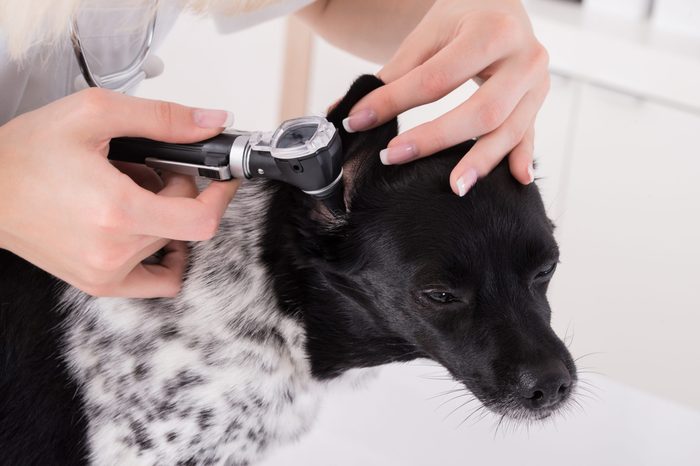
[620, 178]
[239, 72]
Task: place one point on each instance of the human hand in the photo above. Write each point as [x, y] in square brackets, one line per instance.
[457, 40]
[65, 208]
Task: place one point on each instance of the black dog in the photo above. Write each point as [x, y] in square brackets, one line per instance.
[284, 299]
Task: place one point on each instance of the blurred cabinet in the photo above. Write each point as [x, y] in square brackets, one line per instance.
[553, 137]
[332, 71]
[240, 72]
[630, 237]
[619, 176]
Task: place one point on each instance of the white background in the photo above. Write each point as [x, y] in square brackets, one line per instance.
[619, 157]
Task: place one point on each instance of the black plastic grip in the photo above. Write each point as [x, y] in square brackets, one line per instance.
[213, 152]
[311, 172]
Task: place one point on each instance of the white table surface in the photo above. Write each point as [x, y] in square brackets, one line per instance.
[393, 420]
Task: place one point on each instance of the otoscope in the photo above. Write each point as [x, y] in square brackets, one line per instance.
[304, 152]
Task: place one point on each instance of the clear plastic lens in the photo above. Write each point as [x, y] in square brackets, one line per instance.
[295, 138]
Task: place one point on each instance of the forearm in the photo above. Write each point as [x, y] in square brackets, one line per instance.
[371, 29]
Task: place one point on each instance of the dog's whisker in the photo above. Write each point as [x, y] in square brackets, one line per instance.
[456, 409]
[592, 353]
[498, 425]
[592, 396]
[567, 341]
[437, 373]
[456, 398]
[482, 415]
[448, 392]
[588, 386]
[476, 410]
[426, 377]
[580, 406]
[588, 371]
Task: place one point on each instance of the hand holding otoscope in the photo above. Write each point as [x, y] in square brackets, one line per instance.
[305, 152]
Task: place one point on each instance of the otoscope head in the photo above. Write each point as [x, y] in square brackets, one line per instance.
[335, 203]
[306, 153]
[333, 196]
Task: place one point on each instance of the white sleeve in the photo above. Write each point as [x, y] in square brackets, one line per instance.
[13, 81]
[230, 24]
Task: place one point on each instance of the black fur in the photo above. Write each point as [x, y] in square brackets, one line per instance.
[364, 286]
[358, 282]
[41, 417]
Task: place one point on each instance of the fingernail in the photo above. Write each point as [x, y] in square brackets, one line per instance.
[213, 118]
[360, 120]
[398, 154]
[530, 173]
[466, 181]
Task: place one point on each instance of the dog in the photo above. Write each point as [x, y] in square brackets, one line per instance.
[283, 302]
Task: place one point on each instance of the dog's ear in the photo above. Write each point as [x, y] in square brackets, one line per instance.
[322, 232]
[376, 138]
[359, 89]
[361, 149]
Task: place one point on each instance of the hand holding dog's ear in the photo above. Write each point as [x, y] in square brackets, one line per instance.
[65, 208]
[456, 41]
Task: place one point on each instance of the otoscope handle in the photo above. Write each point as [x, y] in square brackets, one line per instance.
[194, 159]
[213, 152]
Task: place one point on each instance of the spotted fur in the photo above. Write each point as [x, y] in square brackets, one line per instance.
[285, 299]
[217, 374]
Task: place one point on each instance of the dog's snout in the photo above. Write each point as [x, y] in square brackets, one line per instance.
[545, 385]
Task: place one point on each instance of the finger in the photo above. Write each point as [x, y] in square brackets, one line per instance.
[490, 149]
[75, 276]
[521, 157]
[174, 185]
[446, 70]
[482, 113]
[178, 185]
[411, 53]
[147, 246]
[116, 114]
[182, 218]
[142, 175]
[156, 280]
[426, 83]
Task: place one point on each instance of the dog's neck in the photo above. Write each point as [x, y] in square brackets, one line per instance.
[341, 334]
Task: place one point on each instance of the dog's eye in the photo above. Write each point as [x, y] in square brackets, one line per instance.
[546, 272]
[442, 297]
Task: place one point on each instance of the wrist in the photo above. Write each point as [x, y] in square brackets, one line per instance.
[4, 236]
[5, 197]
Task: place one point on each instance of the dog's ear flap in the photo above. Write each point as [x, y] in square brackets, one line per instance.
[321, 231]
[375, 138]
[360, 88]
[361, 149]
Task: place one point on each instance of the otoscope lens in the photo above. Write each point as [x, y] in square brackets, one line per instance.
[296, 136]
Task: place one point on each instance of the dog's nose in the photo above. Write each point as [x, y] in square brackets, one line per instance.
[544, 385]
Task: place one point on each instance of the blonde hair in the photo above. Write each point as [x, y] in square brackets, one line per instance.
[28, 23]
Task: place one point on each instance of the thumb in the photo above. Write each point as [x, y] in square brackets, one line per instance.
[123, 115]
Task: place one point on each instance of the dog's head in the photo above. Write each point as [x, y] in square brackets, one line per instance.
[413, 270]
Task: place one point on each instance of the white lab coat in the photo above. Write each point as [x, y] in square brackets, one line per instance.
[110, 43]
